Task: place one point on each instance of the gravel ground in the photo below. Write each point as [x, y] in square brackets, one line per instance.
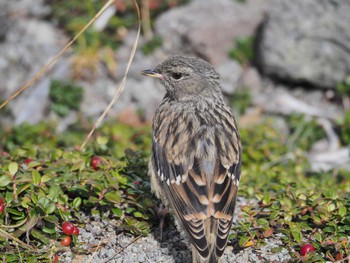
[102, 244]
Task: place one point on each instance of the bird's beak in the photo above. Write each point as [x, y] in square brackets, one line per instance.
[152, 73]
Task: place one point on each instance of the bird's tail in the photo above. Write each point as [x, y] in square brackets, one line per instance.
[210, 226]
[196, 258]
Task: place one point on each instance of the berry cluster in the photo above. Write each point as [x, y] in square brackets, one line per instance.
[68, 229]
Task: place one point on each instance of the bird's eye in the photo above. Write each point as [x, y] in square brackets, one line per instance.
[176, 75]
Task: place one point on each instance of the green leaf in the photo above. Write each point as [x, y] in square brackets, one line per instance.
[23, 188]
[276, 249]
[42, 238]
[143, 227]
[46, 178]
[267, 198]
[318, 237]
[117, 211]
[148, 202]
[9, 197]
[33, 164]
[36, 177]
[243, 240]
[34, 197]
[329, 229]
[77, 202]
[296, 233]
[113, 197]
[263, 222]
[137, 214]
[274, 214]
[330, 193]
[14, 211]
[50, 231]
[54, 192]
[25, 201]
[50, 208]
[342, 211]
[331, 207]
[43, 202]
[13, 168]
[52, 219]
[5, 180]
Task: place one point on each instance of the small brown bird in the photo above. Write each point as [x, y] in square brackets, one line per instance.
[196, 154]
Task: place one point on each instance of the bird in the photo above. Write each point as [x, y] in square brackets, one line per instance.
[196, 154]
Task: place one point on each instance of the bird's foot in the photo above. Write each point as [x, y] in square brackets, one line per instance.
[162, 211]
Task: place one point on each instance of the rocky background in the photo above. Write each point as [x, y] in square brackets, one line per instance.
[301, 53]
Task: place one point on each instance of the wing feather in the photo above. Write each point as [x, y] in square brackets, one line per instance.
[199, 178]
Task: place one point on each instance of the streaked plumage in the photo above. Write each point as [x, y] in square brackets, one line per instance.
[196, 154]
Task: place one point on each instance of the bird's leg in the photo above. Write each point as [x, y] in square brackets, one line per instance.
[161, 213]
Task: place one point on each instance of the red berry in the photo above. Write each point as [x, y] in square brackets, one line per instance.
[67, 228]
[1, 201]
[95, 162]
[66, 241]
[75, 231]
[27, 161]
[137, 183]
[55, 259]
[306, 248]
[2, 208]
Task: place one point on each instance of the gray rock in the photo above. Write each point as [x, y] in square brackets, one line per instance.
[142, 95]
[37, 8]
[307, 41]
[29, 45]
[231, 73]
[278, 99]
[4, 20]
[208, 28]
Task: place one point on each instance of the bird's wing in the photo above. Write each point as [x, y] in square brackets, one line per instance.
[200, 180]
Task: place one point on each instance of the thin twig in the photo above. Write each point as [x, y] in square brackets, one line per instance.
[122, 249]
[53, 61]
[15, 226]
[121, 86]
[95, 252]
[21, 243]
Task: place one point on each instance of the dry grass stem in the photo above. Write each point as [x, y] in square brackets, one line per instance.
[120, 89]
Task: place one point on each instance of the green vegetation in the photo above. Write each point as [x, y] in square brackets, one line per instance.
[243, 50]
[58, 184]
[73, 16]
[303, 132]
[306, 207]
[65, 96]
[44, 181]
[151, 45]
[343, 88]
[240, 100]
[344, 125]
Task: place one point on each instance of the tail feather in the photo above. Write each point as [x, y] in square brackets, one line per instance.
[196, 258]
[215, 240]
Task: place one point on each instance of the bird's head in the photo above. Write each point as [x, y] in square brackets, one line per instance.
[186, 78]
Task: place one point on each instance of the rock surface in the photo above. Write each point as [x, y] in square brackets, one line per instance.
[307, 41]
[30, 44]
[208, 28]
